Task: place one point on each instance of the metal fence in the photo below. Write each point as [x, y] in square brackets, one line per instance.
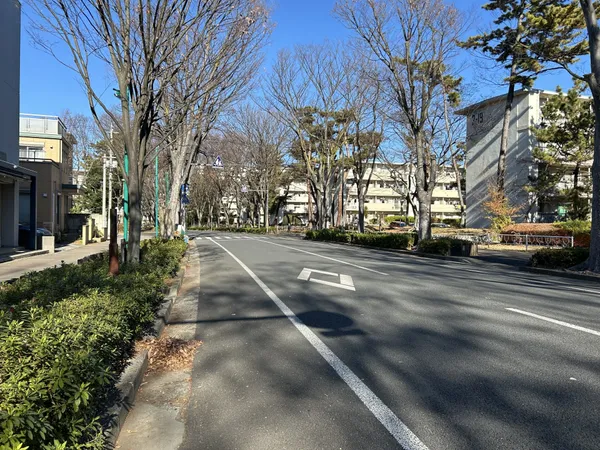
[513, 239]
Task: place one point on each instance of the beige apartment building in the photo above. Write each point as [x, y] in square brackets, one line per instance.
[46, 146]
[385, 197]
[484, 128]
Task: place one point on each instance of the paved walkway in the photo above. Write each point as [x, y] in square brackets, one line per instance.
[17, 268]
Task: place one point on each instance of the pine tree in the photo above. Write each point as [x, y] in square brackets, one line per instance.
[567, 137]
[531, 37]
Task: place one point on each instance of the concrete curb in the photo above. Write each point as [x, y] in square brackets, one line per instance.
[132, 377]
[560, 273]
[23, 255]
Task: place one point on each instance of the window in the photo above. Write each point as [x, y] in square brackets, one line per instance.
[32, 152]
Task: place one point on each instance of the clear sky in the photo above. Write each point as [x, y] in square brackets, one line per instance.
[47, 87]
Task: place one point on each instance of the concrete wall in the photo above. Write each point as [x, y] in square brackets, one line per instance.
[484, 128]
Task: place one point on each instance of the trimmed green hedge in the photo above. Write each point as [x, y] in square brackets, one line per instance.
[64, 345]
[435, 246]
[561, 258]
[253, 230]
[381, 240]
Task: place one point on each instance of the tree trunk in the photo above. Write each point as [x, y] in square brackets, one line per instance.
[501, 172]
[593, 80]
[135, 216]
[461, 200]
[361, 209]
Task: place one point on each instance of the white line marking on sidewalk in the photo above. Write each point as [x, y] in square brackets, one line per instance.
[557, 322]
[403, 435]
[324, 257]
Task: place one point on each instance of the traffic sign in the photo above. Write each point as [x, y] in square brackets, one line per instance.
[218, 164]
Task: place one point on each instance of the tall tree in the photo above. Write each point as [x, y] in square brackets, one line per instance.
[84, 131]
[413, 42]
[141, 44]
[526, 41]
[304, 92]
[566, 135]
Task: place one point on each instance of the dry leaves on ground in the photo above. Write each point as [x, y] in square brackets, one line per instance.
[167, 353]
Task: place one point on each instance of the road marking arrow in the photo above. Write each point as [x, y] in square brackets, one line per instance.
[345, 280]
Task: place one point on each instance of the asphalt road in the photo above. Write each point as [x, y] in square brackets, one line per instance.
[387, 351]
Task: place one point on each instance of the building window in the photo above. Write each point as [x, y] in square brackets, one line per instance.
[32, 152]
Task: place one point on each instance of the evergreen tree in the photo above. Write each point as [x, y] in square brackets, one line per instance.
[531, 37]
[567, 137]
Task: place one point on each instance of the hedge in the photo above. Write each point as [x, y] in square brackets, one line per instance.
[435, 246]
[380, 240]
[63, 346]
[561, 258]
[254, 230]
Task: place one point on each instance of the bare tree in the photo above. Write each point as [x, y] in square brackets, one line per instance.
[304, 92]
[140, 42]
[84, 131]
[413, 42]
[221, 58]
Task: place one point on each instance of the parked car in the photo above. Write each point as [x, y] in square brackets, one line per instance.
[24, 235]
[440, 225]
[397, 224]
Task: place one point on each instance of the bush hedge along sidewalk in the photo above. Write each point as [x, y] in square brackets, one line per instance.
[66, 335]
[562, 258]
[381, 240]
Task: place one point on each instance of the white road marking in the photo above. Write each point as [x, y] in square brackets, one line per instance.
[403, 435]
[227, 237]
[216, 237]
[324, 257]
[557, 322]
[345, 280]
[198, 237]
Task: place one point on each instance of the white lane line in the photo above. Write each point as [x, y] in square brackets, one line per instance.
[197, 238]
[403, 435]
[324, 257]
[557, 322]
[216, 237]
[227, 237]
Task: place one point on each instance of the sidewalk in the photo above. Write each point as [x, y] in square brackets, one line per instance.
[19, 267]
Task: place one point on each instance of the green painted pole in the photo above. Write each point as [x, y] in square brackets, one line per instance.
[156, 195]
[126, 201]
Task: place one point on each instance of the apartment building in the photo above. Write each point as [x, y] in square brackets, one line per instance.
[484, 128]
[385, 197]
[46, 146]
[12, 175]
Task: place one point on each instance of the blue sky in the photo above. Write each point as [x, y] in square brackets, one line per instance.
[47, 87]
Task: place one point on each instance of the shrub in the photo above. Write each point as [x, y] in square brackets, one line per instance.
[559, 258]
[384, 240]
[330, 234]
[435, 246]
[456, 223]
[60, 360]
[575, 227]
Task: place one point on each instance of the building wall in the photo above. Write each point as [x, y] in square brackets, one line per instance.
[484, 128]
[49, 202]
[10, 44]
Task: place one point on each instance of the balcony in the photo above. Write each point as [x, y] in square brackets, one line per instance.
[36, 124]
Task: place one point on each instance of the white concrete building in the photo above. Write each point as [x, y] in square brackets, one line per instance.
[484, 128]
[11, 174]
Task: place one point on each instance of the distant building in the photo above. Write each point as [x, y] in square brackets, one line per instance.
[383, 198]
[46, 147]
[484, 128]
[11, 174]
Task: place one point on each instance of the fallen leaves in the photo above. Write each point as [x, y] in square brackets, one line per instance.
[168, 354]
